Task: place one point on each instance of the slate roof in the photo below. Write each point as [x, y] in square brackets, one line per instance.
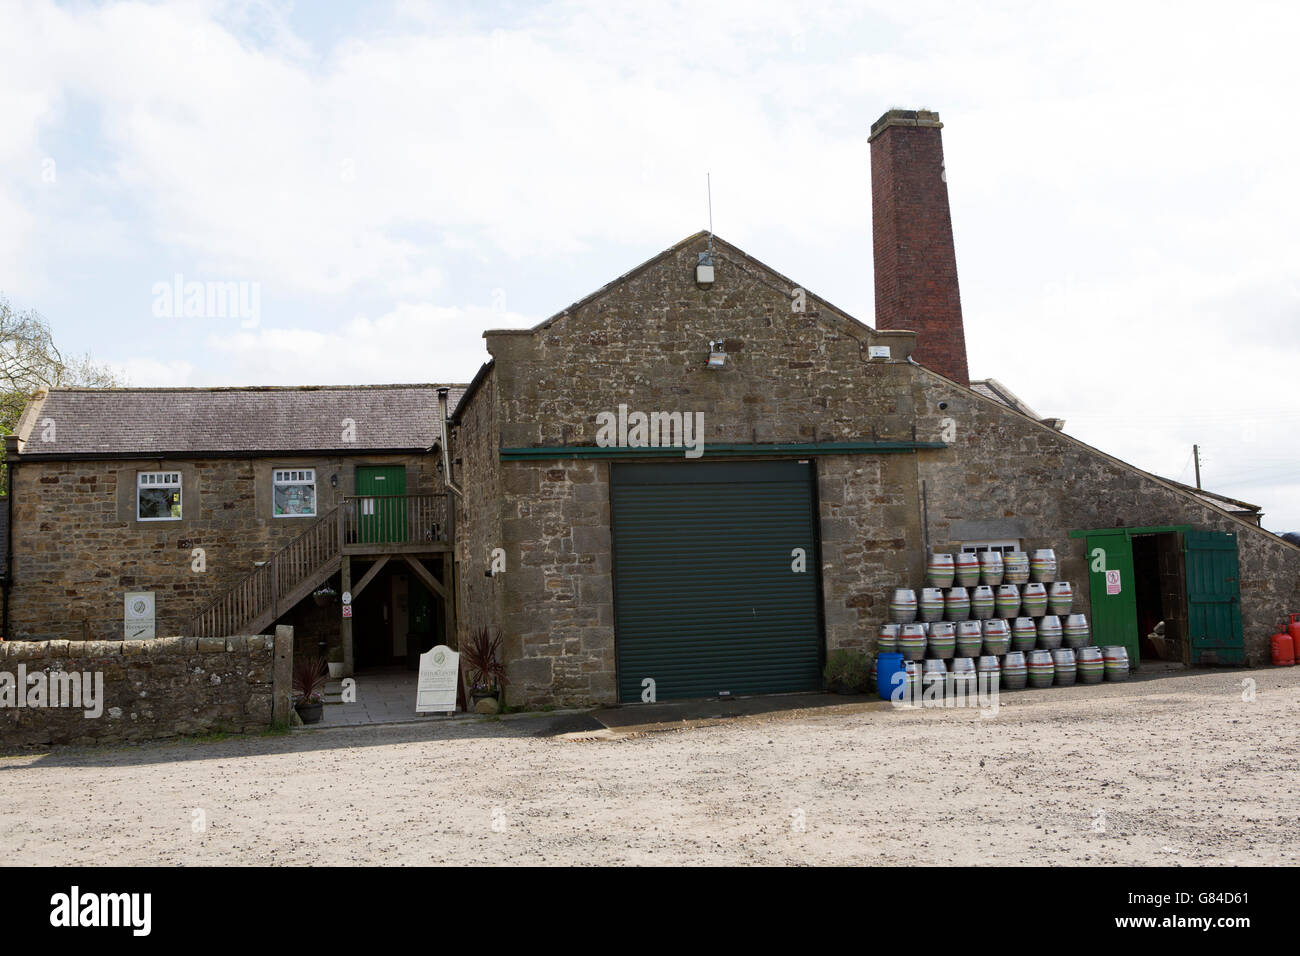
[1234, 505]
[177, 422]
[992, 388]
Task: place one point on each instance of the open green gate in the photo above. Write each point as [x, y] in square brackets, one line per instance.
[1113, 591]
[1213, 598]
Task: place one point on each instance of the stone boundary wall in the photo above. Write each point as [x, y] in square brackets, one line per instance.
[141, 690]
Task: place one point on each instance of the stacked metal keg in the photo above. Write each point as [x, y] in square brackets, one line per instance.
[989, 612]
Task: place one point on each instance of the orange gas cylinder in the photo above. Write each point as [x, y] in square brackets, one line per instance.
[1283, 650]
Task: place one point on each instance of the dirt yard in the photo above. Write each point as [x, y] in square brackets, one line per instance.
[1174, 769]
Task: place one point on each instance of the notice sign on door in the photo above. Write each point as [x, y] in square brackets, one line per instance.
[1112, 582]
[439, 673]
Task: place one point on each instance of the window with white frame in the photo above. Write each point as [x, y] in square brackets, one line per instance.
[968, 547]
[158, 496]
[293, 491]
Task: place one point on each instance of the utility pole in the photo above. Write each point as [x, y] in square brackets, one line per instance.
[1196, 455]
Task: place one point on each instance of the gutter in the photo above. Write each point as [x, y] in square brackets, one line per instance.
[719, 450]
[446, 452]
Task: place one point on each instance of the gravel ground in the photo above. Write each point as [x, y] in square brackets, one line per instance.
[1166, 770]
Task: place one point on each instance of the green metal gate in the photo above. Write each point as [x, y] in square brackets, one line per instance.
[706, 597]
[1213, 598]
[382, 516]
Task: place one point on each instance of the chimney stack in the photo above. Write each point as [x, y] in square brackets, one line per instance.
[911, 232]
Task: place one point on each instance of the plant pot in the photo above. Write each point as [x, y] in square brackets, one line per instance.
[311, 712]
[336, 669]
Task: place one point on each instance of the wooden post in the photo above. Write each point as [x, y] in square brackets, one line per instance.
[282, 676]
[449, 602]
[346, 624]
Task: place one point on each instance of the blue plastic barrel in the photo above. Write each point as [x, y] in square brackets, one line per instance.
[887, 665]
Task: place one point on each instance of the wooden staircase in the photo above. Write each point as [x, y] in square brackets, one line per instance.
[292, 573]
[364, 526]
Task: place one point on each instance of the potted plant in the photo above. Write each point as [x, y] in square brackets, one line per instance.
[324, 595]
[847, 672]
[334, 660]
[309, 676]
[484, 668]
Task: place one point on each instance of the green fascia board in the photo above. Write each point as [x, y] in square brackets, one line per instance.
[1131, 531]
[721, 450]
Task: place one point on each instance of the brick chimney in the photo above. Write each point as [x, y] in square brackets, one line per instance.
[911, 232]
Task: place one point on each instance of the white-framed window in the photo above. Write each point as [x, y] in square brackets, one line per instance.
[967, 547]
[158, 496]
[293, 492]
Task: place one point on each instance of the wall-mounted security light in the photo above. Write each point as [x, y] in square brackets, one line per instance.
[334, 480]
[704, 270]
[717, 355]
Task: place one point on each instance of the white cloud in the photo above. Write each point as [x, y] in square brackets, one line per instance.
[412, 343]
[145, 372]
[1121, 181]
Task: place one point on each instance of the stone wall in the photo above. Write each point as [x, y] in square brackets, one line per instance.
[77, 546]
[158, 688]
[870, 542]
[792, 376]
[1006, 472]
[476, 443]
[559, 602]
[795, 377]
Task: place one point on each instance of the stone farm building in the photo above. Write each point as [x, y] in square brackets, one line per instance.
[807, 463]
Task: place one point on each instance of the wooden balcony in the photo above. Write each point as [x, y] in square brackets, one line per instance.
[396, 524]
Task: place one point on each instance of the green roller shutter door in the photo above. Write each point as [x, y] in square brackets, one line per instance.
[705, 597]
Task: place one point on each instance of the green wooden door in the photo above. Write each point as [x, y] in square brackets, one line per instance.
[381, 513]
[705, 596]
[1213, 598]
[1114, 615]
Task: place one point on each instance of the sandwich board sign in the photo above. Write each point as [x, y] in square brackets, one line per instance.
[138, 619]
[439, 674]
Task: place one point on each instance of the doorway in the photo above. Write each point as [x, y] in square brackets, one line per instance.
[1175, 583]
[396, 618]
[1158, 588]
[382, 489]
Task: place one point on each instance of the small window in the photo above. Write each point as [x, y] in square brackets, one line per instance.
[294, 492]
[1002, 547]
[158, 496]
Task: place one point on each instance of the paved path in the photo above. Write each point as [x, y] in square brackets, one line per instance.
[383, 695]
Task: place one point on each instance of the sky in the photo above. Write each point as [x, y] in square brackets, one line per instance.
[373, 185]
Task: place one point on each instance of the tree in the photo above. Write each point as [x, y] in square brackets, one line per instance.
[29, 360]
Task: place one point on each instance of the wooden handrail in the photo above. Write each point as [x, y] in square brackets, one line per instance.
[262, 588]
[395, 519]
[359, 522]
